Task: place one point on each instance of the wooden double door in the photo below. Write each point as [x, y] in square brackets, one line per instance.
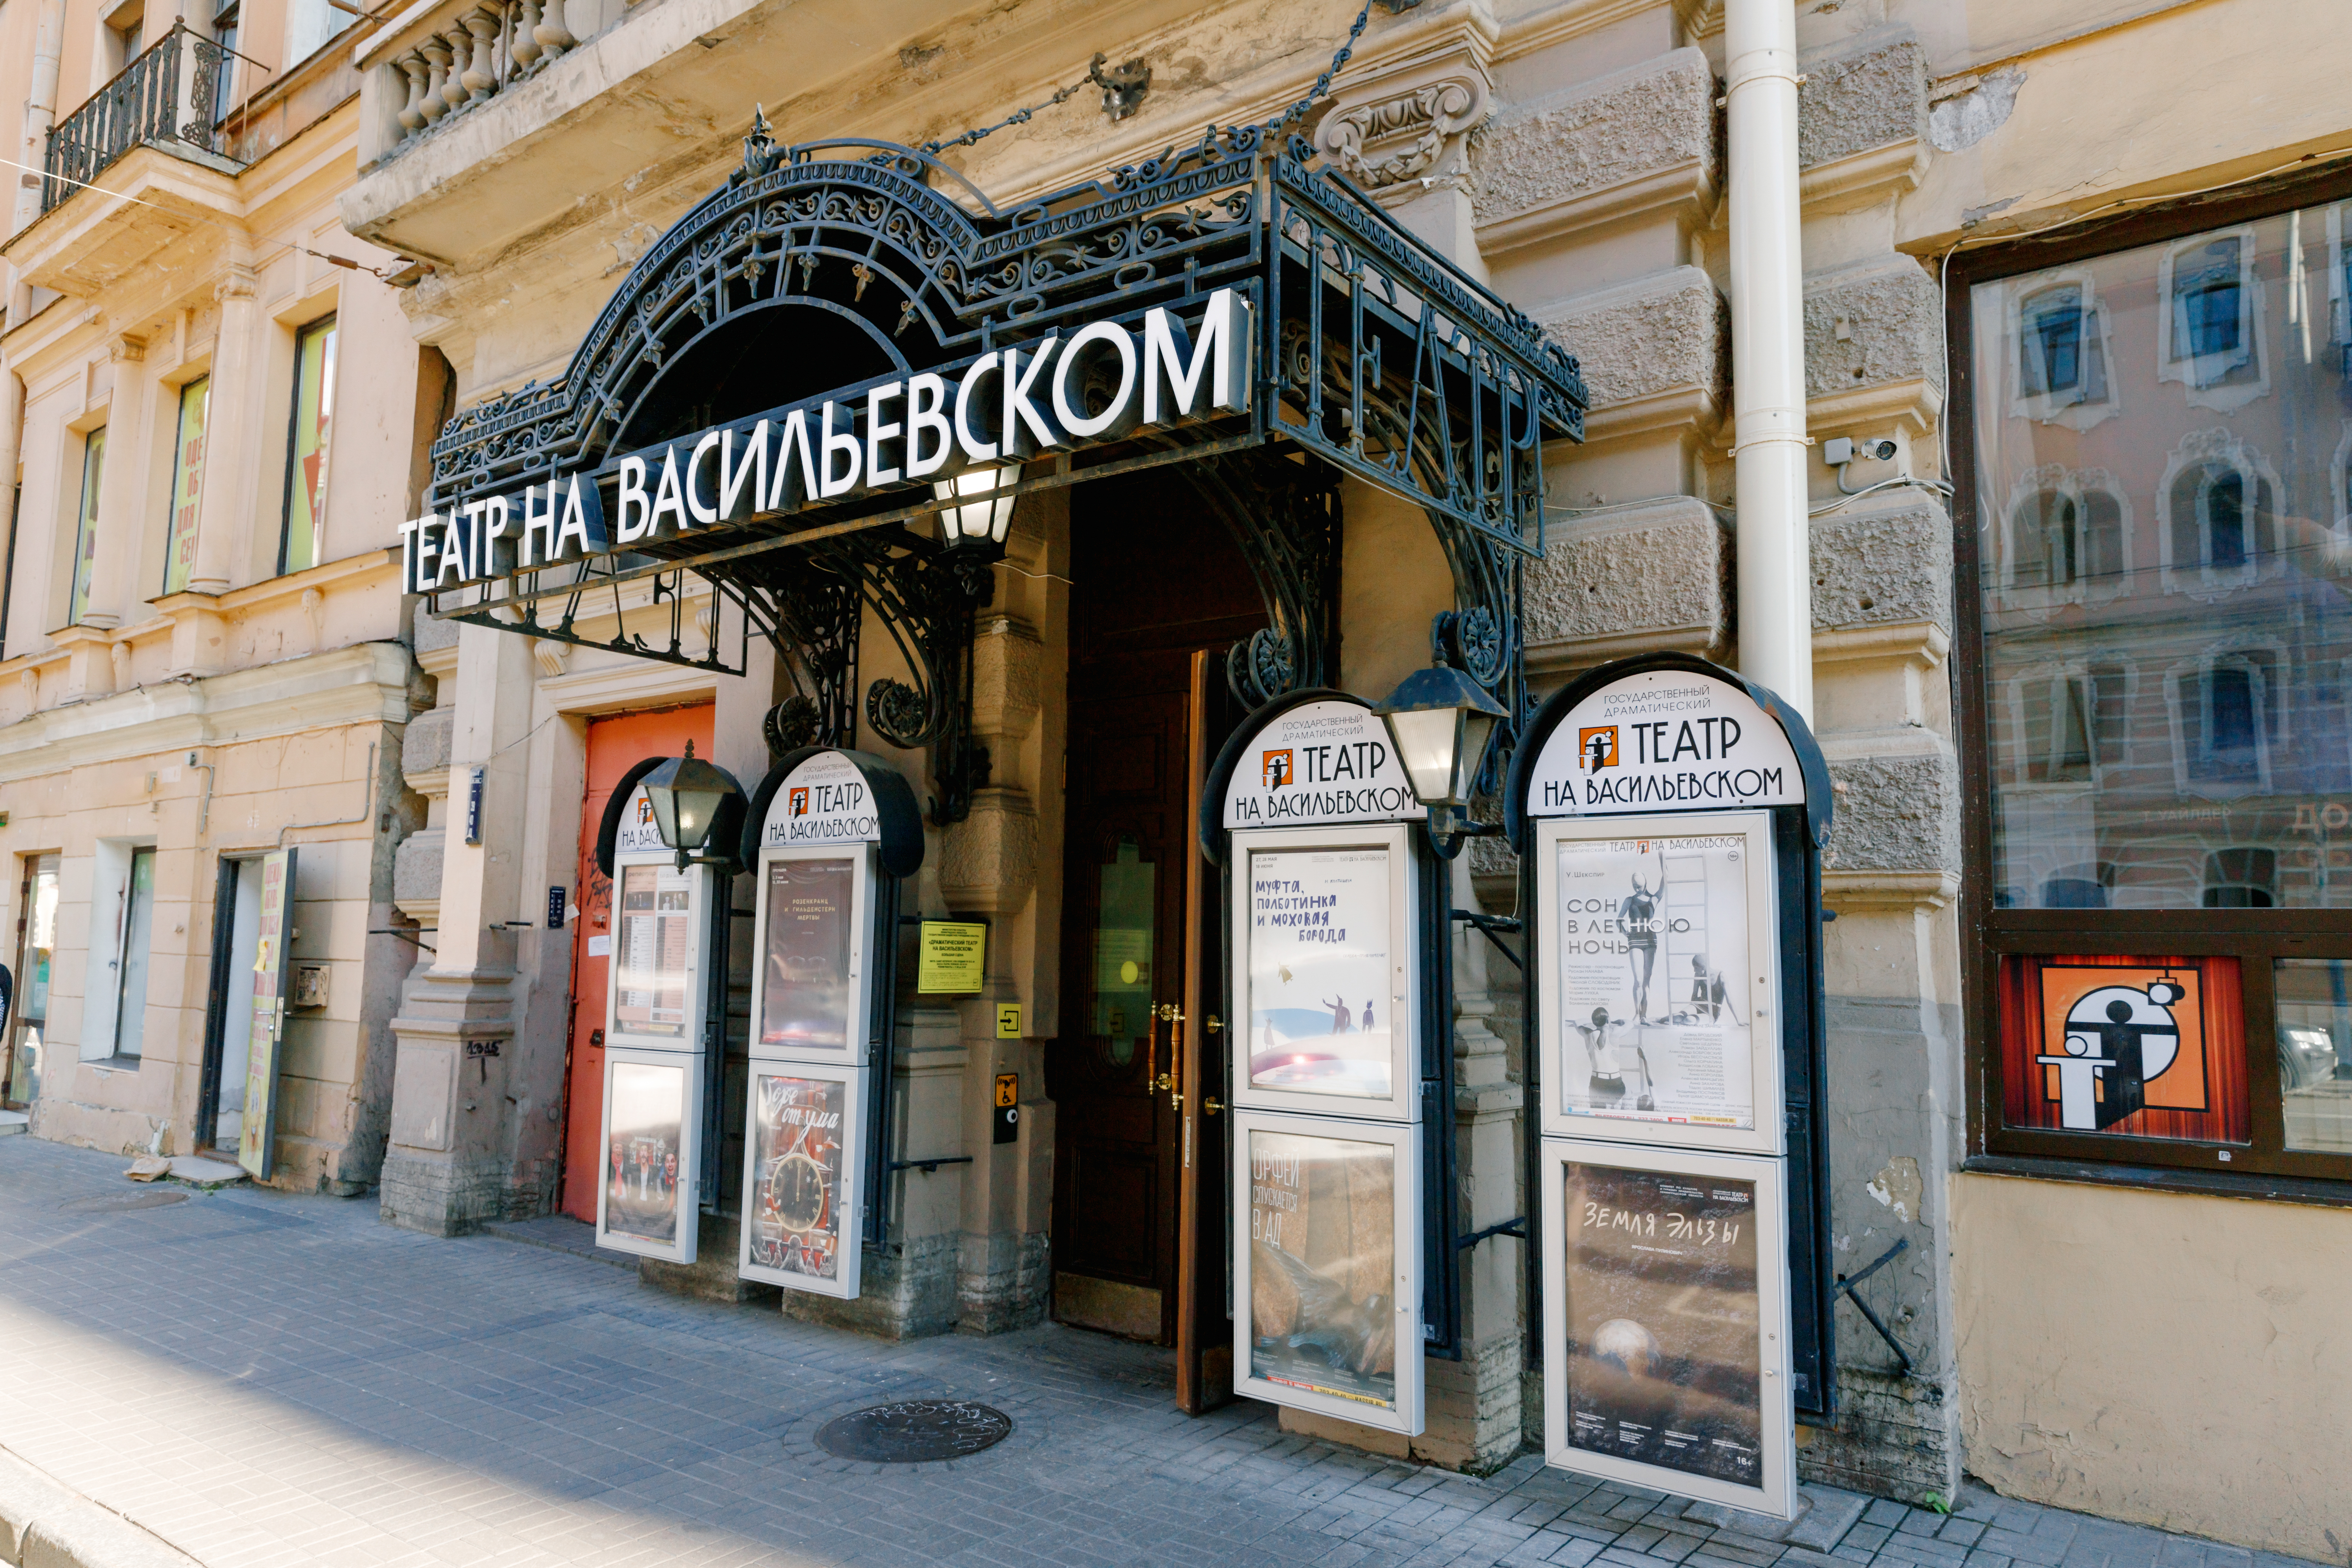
[1160, 592]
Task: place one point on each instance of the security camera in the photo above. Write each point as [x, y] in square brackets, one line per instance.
[1842, 450]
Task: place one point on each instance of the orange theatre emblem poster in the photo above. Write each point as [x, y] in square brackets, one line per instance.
[2139, 1048]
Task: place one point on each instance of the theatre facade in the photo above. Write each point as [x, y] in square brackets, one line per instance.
[1016, 670]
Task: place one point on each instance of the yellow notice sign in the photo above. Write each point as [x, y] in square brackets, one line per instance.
[1008, 1020]
[954, 957]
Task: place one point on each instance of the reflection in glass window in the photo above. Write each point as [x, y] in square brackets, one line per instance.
[2062, 358]
[305, 542]
[2315, 1052]
[2166, 614]
[187, 484]
[85, 555]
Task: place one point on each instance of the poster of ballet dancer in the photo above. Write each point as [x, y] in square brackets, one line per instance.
[1662, 1346]
[805, 985]
[1652, 996]
[1326, 1265]
[1321, 993]
[645, 1153]
[800, 1204]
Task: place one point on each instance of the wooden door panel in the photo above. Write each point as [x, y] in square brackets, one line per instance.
[615, 745]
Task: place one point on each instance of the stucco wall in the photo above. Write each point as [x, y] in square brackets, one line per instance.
[2176, 1361]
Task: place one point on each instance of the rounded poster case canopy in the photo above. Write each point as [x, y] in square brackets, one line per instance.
[1338, 768]
[726, 826]
[888, 817]
[1631, 737]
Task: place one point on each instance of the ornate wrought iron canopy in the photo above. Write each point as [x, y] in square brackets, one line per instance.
[845, 264]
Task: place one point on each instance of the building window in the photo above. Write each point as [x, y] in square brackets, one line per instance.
[85, 554]
[2062, 350]
[2209, 330]
[224, 33]
[138, 940]
[187, 484]
[2157, 699]
[2066, 534]
[304, 543]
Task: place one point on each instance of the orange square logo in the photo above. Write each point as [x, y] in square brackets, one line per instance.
[1275, 769]
[1596, 748]
[800, 802]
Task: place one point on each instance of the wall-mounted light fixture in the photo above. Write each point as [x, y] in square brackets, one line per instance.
[686, 793]
[1441, 723]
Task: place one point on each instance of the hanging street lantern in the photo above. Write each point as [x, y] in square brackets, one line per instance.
[975, 528]
[1441, 723]
[688, 795]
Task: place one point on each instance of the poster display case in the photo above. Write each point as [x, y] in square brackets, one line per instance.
[1658, 942]
[1666, 1331]
[647, 1200]
[828, 836]
[661, 938]
[1323, 922]
[1327, 1282]
[803, 1204]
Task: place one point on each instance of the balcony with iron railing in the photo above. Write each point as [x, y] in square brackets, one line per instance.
[170, 98]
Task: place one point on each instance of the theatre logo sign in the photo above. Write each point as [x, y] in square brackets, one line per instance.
[1004, 407]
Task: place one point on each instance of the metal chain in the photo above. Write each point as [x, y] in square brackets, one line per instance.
[1022, 117]
[1094, 77]
[1323, 83]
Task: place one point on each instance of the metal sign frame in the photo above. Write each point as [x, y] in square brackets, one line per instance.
[1403, 1142]
[1757, 988]
[1402, 1102]
[858, 1005]
[630, 854]
[1801, 830]
[686, 1198]
[1775, 1494]
[849, 1188]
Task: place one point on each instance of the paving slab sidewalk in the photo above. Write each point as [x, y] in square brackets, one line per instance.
[256, 1380]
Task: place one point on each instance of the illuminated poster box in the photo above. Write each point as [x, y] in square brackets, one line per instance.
[647, 1198]
[803, 1206]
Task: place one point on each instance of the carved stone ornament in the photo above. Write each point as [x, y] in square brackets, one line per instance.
[1410, 135]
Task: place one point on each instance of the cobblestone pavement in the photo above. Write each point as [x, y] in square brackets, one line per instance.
[267, 1380]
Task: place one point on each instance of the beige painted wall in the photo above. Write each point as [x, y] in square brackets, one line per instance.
[2176, 1361]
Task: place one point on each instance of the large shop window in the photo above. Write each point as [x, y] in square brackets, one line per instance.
[2159, 722]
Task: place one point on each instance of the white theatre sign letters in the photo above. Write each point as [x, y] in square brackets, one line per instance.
[1006, 405]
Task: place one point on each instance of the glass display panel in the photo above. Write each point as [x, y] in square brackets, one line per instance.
[1126, 927]
[1319, 985]
[306, 476]
[187, 484]
[1663, 1320]
[799, 1134]
[2163, 536]
[2137, 1047]
[1653, 985]
[656, 951]
[2315, 1052]
[645, 1153]
[1322, 1219]
[806, 992]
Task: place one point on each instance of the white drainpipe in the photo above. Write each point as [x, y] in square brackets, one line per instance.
[1768, 351]
[40, 113]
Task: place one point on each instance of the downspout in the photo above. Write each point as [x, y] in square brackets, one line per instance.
[1768, 351]
[40, 113]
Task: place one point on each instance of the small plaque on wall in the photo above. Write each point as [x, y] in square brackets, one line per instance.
[2130, 1046]
[954, 957]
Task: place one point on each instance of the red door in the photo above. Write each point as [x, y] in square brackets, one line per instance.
[614, 746]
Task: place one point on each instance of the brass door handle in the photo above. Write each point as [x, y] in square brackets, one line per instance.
[1165, 1080]
[1213, 1106]
[1215, 1023]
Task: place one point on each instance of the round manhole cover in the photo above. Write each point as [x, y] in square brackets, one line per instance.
[122, 1203]
[913, 1430]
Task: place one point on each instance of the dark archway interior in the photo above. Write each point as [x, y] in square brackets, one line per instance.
[759, 359]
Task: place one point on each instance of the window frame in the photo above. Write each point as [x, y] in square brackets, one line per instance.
[2264, 1167]
[329, 321]
[85, 507]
